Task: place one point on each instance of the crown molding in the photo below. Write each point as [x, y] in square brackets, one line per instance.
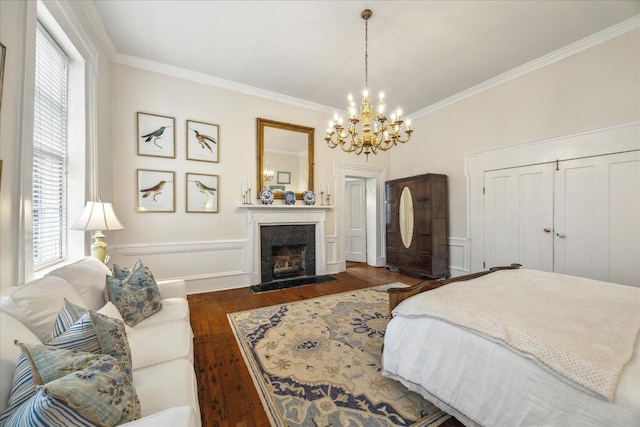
[96, 23]
[624, 27]
[209, 80]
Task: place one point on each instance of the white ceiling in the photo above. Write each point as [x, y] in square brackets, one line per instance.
[420, 52]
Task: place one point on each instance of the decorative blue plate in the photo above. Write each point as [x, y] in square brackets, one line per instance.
[266, 196]
[289, 197]
[309, 197]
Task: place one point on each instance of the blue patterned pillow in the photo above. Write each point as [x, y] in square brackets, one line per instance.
[91, 333]
[136, 296]
[120, 273]
[99, 334]
[22, 388]
[76, 389]
[67, 316]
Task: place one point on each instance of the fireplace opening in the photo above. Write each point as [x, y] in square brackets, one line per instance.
[287, 251]
[288, 261]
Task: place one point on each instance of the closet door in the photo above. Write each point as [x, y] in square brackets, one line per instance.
[519, 217]
[596, 217]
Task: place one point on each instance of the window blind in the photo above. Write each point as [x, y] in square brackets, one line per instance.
[49, 153]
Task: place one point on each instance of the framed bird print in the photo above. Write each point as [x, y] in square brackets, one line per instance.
[155, 191]
[203, 140]
[156, 135]
[202, 192]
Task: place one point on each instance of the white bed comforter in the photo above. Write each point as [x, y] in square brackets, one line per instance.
[581, 330]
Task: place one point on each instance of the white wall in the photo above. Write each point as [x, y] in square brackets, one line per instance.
[208, 250]
[594, 88]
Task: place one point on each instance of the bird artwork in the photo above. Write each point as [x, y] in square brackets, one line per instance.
[155, 190]
[207, 191]
[204, 140]
[155, 135]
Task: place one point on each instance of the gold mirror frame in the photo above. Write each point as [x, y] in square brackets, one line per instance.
[308, 131]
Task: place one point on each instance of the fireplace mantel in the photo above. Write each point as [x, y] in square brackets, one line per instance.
[259, 215]
[265, 208]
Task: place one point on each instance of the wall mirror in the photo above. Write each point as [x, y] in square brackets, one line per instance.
[285, 158]
[406, 217]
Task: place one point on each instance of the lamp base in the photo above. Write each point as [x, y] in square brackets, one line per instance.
[99, 247]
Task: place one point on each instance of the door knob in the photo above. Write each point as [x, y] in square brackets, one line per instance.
[560, 235]
[547, 230]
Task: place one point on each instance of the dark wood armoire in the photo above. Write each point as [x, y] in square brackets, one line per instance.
[421, 248]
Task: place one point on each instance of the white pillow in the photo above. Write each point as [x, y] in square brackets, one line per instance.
[110, 310]
[36, 304]
[88, 276]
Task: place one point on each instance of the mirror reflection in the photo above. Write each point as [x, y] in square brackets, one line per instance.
[406, 217]
[285, 157]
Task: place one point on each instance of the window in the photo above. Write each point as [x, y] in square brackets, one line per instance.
[49, 153]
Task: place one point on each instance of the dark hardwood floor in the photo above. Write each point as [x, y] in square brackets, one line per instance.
[228, 397]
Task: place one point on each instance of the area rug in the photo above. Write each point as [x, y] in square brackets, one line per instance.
[316, 362]
[290, 283]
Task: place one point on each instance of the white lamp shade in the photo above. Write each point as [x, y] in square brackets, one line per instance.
[98, 216]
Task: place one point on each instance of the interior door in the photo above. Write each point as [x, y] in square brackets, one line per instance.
[355, 221]
[519, 217]
[597, 218]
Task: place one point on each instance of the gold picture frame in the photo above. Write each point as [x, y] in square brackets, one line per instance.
[155, 191]
[3, 55]
[156, 135]
[202, 192]
[203, 141]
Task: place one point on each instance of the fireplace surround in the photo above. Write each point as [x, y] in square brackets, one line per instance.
[259, 216]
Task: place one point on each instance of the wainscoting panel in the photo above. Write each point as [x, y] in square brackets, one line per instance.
[459, 256]
[331, 245]
[205, 266]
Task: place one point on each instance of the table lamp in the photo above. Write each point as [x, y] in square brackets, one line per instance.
[98, 216]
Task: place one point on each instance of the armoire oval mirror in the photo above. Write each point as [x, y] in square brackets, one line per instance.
[406, 217]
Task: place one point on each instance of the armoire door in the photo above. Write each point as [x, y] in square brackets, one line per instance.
[355, 221]
[577, 217]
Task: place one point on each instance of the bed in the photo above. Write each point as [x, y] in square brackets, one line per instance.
[516, 347]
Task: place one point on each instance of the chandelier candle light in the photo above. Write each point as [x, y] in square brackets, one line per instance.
[375, 134]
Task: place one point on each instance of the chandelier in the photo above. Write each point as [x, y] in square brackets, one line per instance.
[374, 134]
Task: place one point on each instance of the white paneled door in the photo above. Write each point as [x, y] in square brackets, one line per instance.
[597, 218]
[519, 217]
[355, 221]
[578, 217]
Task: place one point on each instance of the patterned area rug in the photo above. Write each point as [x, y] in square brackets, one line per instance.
[316, 362]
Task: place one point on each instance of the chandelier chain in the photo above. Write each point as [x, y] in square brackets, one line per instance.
[366, 54]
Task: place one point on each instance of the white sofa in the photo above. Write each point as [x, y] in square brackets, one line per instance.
[161, 345]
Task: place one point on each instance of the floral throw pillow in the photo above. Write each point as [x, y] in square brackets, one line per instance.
[76, 389]
[136, 296]
[85, 330]
[90, 333]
